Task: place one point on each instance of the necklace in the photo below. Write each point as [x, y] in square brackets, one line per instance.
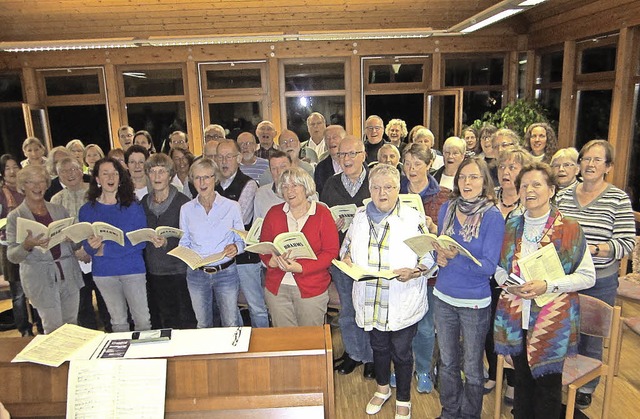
[534, 239]
[505, 205]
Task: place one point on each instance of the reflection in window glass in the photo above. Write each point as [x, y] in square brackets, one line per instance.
[160, 119]
[396, 73]
[12, 131]
[475, 104]
[89, 125]
[10, 88]
[594, 110]
[550, 70]
[522, 73]
[234, 79]
[550, 100]
[633, 182]
[72, 85]
[299, 108]
[314, 76]
[236, 117]
[164, 82]
[473, 71]
[408, 107]
[598, 59]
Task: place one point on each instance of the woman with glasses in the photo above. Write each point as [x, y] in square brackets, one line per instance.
[296, 290]
[566, 168]
[182, 160]
[118, 271]
[168, 291]
[462, 292]
[388, 309]
[207, 221]
[454, 152]
[606, 216]
[51, 279]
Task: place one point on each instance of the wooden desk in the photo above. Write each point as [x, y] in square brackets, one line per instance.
[287, 373]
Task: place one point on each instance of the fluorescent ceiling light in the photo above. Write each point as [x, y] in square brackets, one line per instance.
[490, 20]
[530, 3]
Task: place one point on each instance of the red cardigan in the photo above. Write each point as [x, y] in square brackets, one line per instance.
[322, 234]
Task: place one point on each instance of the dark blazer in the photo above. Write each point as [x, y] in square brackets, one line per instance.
[324, 170]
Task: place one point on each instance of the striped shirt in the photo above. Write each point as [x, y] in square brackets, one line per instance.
[607, 219]
[255, 170]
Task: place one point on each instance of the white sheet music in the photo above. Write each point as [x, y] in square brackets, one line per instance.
[117, 389]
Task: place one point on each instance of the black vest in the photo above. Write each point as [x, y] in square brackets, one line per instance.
[233, 192]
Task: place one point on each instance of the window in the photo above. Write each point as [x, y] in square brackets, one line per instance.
[154, 101]
[234, 95]
[594, 111]
[597, 55]
[75, 104]
[12, 127]
[549, 82]
[313, 86]
[633, 179]
[396, 73]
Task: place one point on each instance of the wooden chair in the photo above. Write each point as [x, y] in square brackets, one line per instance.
[597, 318]
[629, 289]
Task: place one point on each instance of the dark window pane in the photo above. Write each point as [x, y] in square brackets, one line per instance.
[396, 73]
[594, 110]
[160, 119]
[408, 107]
[550, 67]
[166, 82]
[12, 131]
[299, 108]
[88, 84]
[550, 99]
[234, 79]
[633, 181]
[442, 118]
[598, 59]
[473, 71]
[317, 76]
[475, 104]
[236, 117]
[10, 88]
[89, 125]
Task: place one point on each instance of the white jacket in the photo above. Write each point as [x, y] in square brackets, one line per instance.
[407, 300]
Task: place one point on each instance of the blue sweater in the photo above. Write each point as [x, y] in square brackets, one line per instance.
[116, 259]
[462, 278]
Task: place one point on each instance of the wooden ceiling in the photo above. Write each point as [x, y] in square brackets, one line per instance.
[51, 20]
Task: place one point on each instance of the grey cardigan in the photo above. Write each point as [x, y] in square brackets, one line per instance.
[38, 271]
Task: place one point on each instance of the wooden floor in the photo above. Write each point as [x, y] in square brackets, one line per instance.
[353, 391]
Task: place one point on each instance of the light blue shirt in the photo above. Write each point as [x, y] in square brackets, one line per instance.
[207, 234]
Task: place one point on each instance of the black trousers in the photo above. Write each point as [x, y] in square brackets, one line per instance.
[169, 297]
[396, 346]
[86, 312]
[535, 398]
[489, 347]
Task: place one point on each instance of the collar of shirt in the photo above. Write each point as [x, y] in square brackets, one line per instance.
[353, 187]
[226, 182]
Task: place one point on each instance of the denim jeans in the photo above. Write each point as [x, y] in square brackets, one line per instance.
[122, 292]
[458, 400]
[396, 346]
[354, 339]
[251, 286]
[605, 289]
[425, 338]
[225, 285]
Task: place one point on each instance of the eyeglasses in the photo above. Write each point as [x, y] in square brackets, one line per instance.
[228, 157]
[178, 142]
[287, 186]
[376, 128]
[472, 178]
[290, 141]
[386, 188]
[247, 144]
[352, 154]
[452, 153]
[595, 160]
[68, 171]
[511, 167]
[565, 166]
[157, 172]
[203, 178]
[214, 137]
[505, 145]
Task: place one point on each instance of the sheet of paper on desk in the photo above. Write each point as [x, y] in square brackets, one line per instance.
[117, 389]
[218, 340]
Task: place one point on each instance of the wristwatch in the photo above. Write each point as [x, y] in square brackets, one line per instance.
[595, 246]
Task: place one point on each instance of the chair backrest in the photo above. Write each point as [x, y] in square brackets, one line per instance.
[595, 317]
[635, 257]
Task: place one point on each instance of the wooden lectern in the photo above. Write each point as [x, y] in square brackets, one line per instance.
[287, 373]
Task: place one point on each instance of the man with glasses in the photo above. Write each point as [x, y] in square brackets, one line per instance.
[214, 132]
[374, 132]
[316, 125]
[237, 186]
[290, 144]
[266, 133]
[330, 165]
[251, 165]
[125, 135]
[178, 139]
[349, 187]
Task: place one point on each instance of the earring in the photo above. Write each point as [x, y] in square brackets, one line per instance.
[99, 185]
